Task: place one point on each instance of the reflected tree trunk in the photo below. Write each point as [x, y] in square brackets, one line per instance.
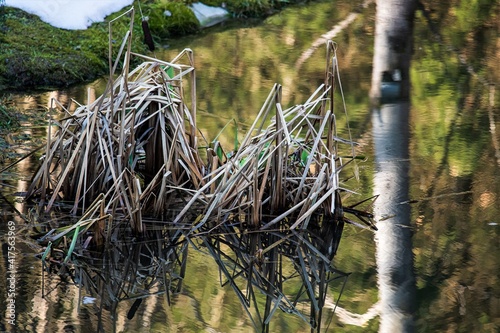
[396, 278]
[393, 48]
[391, 83]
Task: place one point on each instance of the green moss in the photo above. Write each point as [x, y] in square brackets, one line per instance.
[34, 54]
[171, 19]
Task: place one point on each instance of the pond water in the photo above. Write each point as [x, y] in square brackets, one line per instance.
[434, 161]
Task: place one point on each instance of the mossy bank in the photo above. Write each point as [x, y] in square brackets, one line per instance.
[36, 55]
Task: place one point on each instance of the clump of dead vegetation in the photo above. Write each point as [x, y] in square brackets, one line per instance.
[270, 213]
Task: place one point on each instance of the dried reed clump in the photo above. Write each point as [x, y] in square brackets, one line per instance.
[136, 143]
[133, 153]
[140, 125]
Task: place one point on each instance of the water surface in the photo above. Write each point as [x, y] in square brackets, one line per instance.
[451, 159]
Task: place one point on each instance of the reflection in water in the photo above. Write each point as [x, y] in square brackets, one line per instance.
[393, 48]
[391, 82]
[394, 247]
[491, 118]
[124, 274]
[330, 35]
